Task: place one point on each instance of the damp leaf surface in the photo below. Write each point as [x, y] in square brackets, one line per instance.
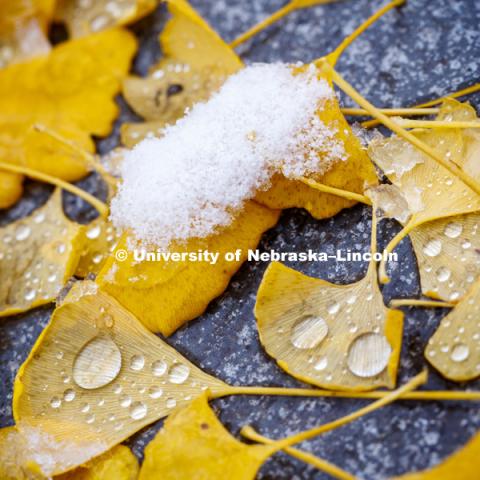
[100, 239]
[39, 254]
[84, 18]
[194, 444]
[166, 294]
[335, 336]
[439, 212]
[23, 26]
[107, 378]
[18, 454]
[76, 108]
[448, 256]
[454, 349]
[196, 62]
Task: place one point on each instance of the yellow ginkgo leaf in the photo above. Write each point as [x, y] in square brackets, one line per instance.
[119, 463]
[445, 248]
[448, 256]
[100, 236]
[166, 294]
[461, 465]
[95, 377]
[39, 254]
[23, 26]
[454, 349]
[336, 336]
[430, 191]
[194, 444]
[355, 173]
[196, 62]
[84, 18]
[73, 91]
[100, 240]
[16, 454]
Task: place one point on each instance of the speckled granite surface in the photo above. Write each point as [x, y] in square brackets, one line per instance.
[423, 50]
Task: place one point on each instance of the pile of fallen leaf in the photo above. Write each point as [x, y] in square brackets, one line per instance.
[98, 373]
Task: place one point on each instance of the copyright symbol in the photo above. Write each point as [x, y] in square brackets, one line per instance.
[121, 255]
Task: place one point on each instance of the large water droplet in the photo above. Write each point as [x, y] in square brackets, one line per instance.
[368, 355]
[69, 395]
[443, 274]
[159, 367]
[321, 364]
[178, 373]
[333, 308]
[125, 401]
[433, 248]
[138, 410]
[23, 232]
[155, 392]
[137, 362]
[460, 352]
[453, 229]
[97, 364]
[309, 332]
[93, 232]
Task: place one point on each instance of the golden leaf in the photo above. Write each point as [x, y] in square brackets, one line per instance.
[165, 295]
[119, 463]
[448, 256]
[454, 349]
[353, 174]
[335, 336]
[23, 26]
[196, 63]
[16, 454]
[194, 444]
[83, 18]
[445, 247]
[461, 465]
[107, 378]
[430, 191]
[40, 254]
[100, 239]
[78, 108]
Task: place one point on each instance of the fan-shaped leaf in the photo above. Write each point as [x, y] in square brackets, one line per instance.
[39, 254]
[83, 18]
[107, 377]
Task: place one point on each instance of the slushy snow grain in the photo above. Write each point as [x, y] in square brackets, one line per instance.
[193, 180]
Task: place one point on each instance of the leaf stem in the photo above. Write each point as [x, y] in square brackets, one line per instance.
[422, 395]
[44, 177]
[275, 17]
[316, 462]
[335, 55]
[434, 124]
[460, 93]
[352, 93]
[321, 187]
[412, 302]
[360, 112]
[89, 158]
[382, 272]
[391, 397]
